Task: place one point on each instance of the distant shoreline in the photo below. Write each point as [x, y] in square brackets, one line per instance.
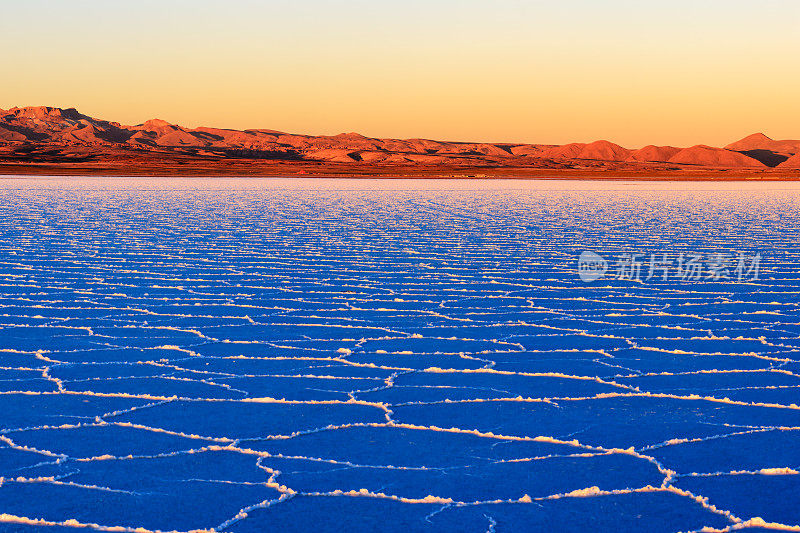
[245, 169]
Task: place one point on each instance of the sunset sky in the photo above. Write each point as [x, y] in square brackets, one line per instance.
[681, 72]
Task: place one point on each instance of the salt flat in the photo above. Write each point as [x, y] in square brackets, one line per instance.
[357, 355]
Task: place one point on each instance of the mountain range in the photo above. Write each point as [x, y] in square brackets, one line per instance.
[55, 136]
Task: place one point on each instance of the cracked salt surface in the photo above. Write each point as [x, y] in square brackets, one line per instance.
[334, 355]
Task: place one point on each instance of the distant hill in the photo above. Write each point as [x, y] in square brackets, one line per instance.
[654, 153]
[51, 134]
[709, 156]
[793, 162]
[759, 141]
[770, 152]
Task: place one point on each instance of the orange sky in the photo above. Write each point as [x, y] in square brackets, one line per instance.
[511, 70]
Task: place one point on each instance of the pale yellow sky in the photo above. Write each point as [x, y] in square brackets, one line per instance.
[518, 71]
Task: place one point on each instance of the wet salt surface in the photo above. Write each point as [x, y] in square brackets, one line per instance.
[250, 355]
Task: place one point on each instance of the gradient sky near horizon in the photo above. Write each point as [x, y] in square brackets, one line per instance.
[681, 72]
